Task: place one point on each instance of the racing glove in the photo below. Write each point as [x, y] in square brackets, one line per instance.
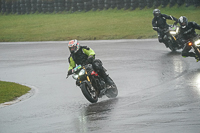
[175, 23]
[90, 59]
[70, 72]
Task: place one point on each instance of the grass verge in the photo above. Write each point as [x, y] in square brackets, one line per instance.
[92, 25]
[10, 91]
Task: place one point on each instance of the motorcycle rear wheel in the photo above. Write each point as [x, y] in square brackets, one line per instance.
[112, 92]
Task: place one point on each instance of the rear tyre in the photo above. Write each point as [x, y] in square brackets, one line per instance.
[89, 94]
[113, 91]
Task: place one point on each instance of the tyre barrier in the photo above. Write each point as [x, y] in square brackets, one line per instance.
[149, 3]
[87, 5]
[172, 3]
[100, 4]
[119, 4]
[142, 4]
[164, 3]
[68, 5]
[127, 4]
[57, 6]
[94, 5]
[134, 4]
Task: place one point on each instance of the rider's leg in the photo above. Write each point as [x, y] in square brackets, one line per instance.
[161, 39]
[98, 67]
[186, 53]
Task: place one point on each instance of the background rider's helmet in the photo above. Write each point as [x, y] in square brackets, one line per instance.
[73, 46]
[183, 21]
[156, 13]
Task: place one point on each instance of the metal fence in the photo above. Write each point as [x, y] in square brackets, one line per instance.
[55, 6]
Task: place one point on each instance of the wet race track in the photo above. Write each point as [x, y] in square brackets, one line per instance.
[159, 91]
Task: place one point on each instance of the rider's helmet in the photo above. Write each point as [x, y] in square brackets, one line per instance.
[183, 21]
[156, 13]
[73, 46]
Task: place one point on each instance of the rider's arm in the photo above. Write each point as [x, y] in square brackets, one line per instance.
[88, 51]
[170, 17]
[196, 26]
[72, 64]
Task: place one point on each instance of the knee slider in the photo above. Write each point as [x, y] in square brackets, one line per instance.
[160, 39]
[97, 64]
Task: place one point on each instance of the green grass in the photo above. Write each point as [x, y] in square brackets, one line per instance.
[10, 91]
[92, 25]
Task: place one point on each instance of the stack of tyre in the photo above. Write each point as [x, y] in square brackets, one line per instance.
[0, 6]
[157, 3]
[127, 4]
[50, 6]
[14, 7]
[33, 6]
[68, 5]
[23, 6]
[107, 4]
[74, 7]
[94, 5]
[119, 4]
[196, 3]
[134, 4]
[8, 6]
[142, 4]
[28, 6]
[149, 3]
[100, 4]
[87, 5]
[112, 4]
[59, 5]
[180, 2]
[172, 3]
[164, 3]
[39, 6]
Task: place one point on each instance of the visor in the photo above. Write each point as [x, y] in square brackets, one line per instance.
[183, 24]
[156, 14]
[72, 49]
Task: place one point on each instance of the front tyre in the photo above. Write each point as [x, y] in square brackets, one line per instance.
[171, 46]
[89, 94]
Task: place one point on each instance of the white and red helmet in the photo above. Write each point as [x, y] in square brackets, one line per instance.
[73, 46]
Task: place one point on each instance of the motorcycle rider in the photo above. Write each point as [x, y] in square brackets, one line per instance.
[187, 31]
[159, 24]
[81, 55]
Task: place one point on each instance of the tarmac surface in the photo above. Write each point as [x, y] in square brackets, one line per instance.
[159, 90]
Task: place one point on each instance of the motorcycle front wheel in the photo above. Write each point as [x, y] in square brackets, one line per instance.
[89, 94]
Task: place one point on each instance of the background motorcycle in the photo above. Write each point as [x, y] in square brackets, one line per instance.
[195, 44]
[92, 85]
[170, 36]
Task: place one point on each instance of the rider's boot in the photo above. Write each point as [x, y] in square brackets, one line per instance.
[78, 83]
[194, 55]
[166, 43]
[108, 81]
[106, 78]
[197, 58]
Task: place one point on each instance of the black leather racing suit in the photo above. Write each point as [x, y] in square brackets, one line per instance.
[185, 35]
[160, 25]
